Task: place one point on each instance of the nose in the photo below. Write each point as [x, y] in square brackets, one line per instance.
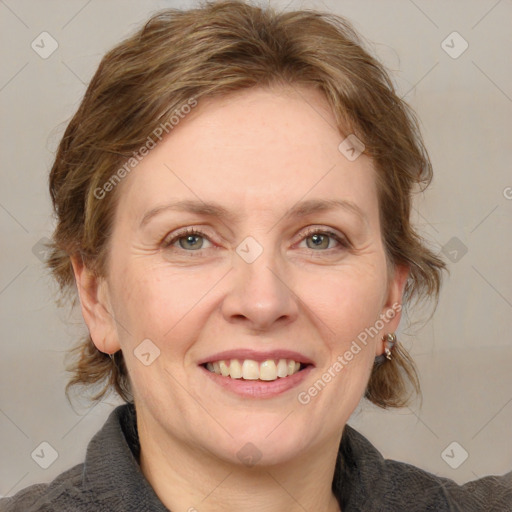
[261, 294]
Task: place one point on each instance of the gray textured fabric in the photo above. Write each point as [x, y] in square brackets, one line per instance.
[110, 480]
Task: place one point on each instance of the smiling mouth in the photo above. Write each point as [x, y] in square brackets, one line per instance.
[248, 369]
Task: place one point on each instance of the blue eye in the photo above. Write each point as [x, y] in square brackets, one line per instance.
[190, 236]
[319, 236]
[189, 240]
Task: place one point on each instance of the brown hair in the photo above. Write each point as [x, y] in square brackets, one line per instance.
[213, 50]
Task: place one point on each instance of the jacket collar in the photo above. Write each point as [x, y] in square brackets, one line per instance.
[111, 471]
[361, 479]
[113, 476]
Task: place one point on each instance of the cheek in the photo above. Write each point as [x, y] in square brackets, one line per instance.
[349, 304]
[152, 303]
[155, 301]
[348, 301]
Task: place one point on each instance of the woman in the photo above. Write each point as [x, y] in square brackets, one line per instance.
[233, 199]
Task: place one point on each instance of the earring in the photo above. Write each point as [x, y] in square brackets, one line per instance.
[390, 340]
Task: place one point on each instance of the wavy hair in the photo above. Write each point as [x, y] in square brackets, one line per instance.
[214, 50]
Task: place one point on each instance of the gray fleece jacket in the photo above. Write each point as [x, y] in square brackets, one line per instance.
[110, 480]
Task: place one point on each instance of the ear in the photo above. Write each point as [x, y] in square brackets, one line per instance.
[392, 310]
[96, 308]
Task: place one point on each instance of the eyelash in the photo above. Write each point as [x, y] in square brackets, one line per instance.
[344, 243]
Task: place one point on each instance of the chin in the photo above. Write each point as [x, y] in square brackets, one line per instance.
[262, 443]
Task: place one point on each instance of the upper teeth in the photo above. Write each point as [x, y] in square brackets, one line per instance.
[251, 370]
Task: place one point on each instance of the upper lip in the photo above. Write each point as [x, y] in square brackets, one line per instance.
[256, 355]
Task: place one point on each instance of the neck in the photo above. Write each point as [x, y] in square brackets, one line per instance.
[187, 478]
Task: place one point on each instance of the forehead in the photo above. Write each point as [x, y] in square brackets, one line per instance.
[261, 148]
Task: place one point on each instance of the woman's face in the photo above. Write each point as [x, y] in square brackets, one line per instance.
[255, 282]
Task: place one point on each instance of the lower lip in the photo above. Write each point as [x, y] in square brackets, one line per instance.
[259, 388]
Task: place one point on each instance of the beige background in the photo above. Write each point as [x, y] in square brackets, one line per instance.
[464, 352]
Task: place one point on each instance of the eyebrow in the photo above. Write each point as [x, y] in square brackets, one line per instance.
[213, 209]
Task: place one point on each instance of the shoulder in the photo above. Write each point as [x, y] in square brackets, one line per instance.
[65, 492]
[489, 494]
[81, 487]
[375, 482]
[109, 479]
